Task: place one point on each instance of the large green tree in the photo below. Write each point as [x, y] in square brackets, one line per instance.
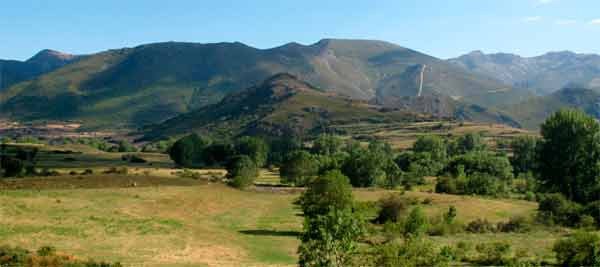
[299, 168]
[524, 154]
[254, 147]
[331, 228]
[187, 151]
[569, 155]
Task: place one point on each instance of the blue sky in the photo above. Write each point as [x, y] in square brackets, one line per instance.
[442, 28]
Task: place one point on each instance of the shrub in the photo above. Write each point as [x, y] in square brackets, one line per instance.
[556, 209]
[391, 208]
[514, 225]
[133, 158]
[593, 209]
[125, 146]
[12, 166]
[493, 254]
[580, 249]
[242, 171]
[416, 223]
[480, 226]
[117, 170]
[327, 145]
[46, 251]
[481, 162]
[88, 172]
[413, 253]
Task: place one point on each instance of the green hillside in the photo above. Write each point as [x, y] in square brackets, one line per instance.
[151, 83]
[14, 71]
[532, 113]
[282, 105]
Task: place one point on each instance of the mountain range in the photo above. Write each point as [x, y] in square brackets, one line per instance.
[186, 85]
[14, 71]
[542, 75]
[150, 83]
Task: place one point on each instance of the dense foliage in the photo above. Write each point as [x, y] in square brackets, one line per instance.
[569, 155]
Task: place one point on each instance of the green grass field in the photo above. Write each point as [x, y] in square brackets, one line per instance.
[152, 217]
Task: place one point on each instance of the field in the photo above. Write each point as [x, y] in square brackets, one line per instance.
[153, 216]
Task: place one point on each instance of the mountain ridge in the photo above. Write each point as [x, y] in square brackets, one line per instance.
[153, 82]
[541, 74]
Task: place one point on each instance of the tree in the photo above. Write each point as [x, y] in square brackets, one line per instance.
[432, 144]
[470, 142]
[125, 146]
[327, 144]
[330, 240]
[187, 151]
[330, 227]
[12, 166]
[242, 171]
[524, 154]
[299, 168]
[254, 147]
[325, 193]
[481, 162]
[569, 155]
[371, 166]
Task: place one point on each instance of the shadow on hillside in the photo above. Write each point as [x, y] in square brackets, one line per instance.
[270, 233]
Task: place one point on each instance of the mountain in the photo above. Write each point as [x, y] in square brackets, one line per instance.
[13, 71]
[154, 82]
[532, 113]
[445, 107]
[282, 105]
[542, 74]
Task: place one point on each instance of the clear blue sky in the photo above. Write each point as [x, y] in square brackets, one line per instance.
[442, 28]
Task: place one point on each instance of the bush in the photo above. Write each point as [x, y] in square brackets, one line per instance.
[299, 168]
[327, 145]
[242, 171]
[593, 209]
[46, 251]
[416, 223]
[117, 170]
[13, 167]
[493, 254]
[391, 208]
[481, 162]
[480, 226]
[580, 249]
[125, 146]
[133, 158]
[514, 225]
[413, 253]
[556, 209]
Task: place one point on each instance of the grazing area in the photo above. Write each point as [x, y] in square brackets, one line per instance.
[451, 193]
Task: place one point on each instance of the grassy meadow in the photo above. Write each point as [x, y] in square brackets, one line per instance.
[154, 216]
